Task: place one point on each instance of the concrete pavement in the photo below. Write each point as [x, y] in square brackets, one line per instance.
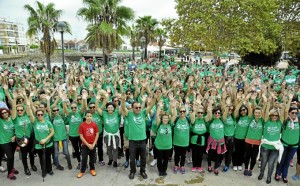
[108, 176]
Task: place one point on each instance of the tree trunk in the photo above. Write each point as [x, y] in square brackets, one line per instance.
[105, 59]
[145, 54]
[48, 62]
[159, 52]
[133, 55]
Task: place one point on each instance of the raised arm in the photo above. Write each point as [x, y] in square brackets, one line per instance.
[287, 107]
[156, 97]
[123, 105]
[158, 111]
[84, 102]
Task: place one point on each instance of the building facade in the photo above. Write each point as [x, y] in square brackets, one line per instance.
[12, 36]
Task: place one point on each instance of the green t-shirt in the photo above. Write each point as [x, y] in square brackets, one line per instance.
[229, 126]
[137, 125]
[199, 127]
[97, 119]
[60, 132]
[242, 127]
[41, 131]
[74, 120]
[255, 129]
[271, 132]
[7, 130]
[290, 79]
[290, 136]
[23, 125]
[126, 127]
[111, 121]
[181, 133]
[163, 140]
[216, 129]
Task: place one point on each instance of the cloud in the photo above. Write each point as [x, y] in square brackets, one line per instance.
[14, 11]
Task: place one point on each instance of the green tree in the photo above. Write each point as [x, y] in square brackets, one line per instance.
[146, 27]
[134, 39]
[43, 20]
[242, 25]
[108, 22]
[161, 36]
[33, 46]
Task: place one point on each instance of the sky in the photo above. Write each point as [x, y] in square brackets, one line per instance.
[14, 11]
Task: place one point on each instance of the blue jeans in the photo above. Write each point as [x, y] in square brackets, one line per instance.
[65, 151]
[287, 156]
[268, 156]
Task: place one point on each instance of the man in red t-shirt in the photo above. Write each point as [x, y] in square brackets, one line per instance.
[89, 134]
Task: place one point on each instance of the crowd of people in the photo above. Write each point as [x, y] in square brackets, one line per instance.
[234, 113]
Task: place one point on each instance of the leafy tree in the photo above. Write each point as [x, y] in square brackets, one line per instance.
[146, 27]
[108, 22]
[161, 36]
[134, 39]
[43, 20]
[33, 46]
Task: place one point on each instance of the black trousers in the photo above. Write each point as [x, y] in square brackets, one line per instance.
[121, 130]
[179, 155]
[154, 149]
[85, 152]
[140, 146]
[238, 155]
[229, 146]
[162, 159]
[100, 147]
[197, 155]
[9, 150]
[76, 143]
[27, 150]
[251, 152]
[48, 152]
[212, 155]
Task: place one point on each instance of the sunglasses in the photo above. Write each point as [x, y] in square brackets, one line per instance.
[242, 110]
[4, 112]
[20, 110]
[200, 112]
[40, 115]
[218, 113]
[73, 107]
[92, 107]
[274, 115]
[55, 110]
[182, 111]
[116, 100]
[137, 107]
[294, 113]
[230, 109]
[79, 99]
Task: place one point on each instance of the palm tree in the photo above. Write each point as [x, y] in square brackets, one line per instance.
[161, 38]
[146, 26]
[134, 39]
[44, 20]
[108, 22]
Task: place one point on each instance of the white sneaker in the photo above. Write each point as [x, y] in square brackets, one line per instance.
[153, 163]
[235, 168]
[151, 153]
[240, 168]
[2, 169]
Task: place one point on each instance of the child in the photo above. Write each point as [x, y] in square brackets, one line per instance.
[88, 131]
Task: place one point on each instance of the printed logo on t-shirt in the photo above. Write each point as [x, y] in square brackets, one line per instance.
[42, 128]
[8, 127]
[139, 120]
[255, 125]
[182, 126]
[243, 122]
[273, 130]
[89, 132]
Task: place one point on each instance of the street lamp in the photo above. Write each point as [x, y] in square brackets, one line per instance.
[61, 27]
[143, 40]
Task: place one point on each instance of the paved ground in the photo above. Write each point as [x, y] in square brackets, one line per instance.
[108, 176]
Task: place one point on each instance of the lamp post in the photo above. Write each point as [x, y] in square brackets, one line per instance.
[143, 40]
[61, 27]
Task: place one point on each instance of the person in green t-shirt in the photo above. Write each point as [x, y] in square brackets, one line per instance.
[73, 120]
[24, 136]
[163, 140]
[59, 135]
[43, 132]
[242, 113]
[137, 132]
[215, 142]
[271, 134]
[253, 138]
[290, 140]
[198, 131]
[7, 141]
